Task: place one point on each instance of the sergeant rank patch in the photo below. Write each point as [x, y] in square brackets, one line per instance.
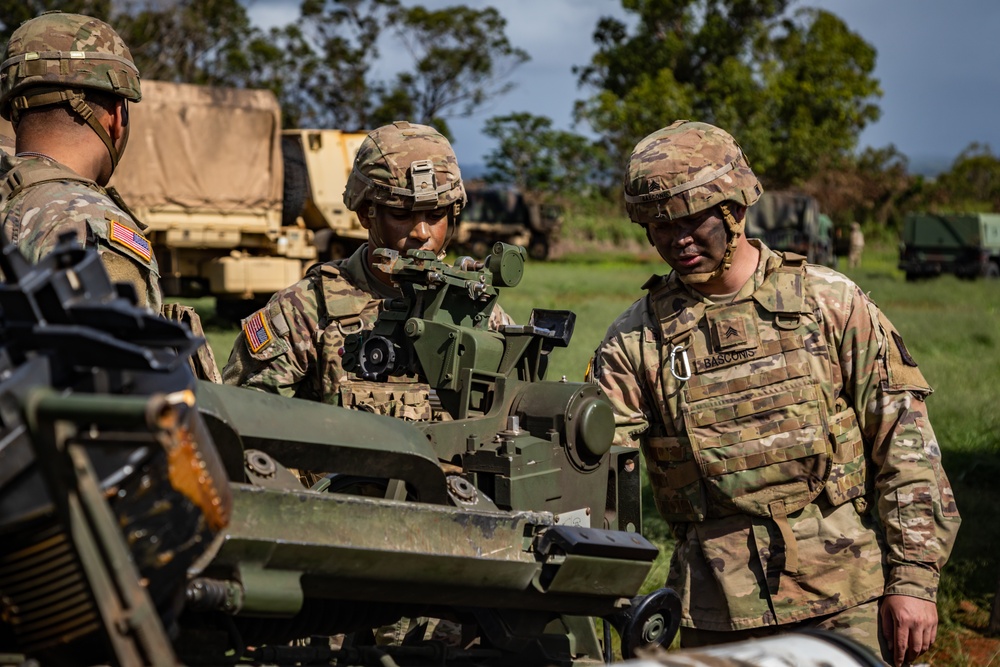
[130, 239]
[257, 331]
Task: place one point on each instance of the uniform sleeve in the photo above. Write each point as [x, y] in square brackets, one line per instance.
[125, 252]
[499, 317]
[621, 381]
[914, 499]
[275, 350]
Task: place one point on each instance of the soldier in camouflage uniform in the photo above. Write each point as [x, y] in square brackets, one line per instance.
[781, 418]
[65, 84]
[407, 191]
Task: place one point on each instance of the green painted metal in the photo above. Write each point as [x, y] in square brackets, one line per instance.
[966, 244]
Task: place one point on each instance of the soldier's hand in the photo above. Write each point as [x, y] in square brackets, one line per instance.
[909, 624]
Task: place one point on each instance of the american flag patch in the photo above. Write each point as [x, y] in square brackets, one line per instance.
[132, 240]
[257, 332]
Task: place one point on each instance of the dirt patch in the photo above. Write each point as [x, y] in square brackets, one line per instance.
[967, 644]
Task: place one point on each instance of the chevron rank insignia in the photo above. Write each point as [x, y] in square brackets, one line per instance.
[130, 239]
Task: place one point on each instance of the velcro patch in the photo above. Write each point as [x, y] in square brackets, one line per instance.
[131, 239]
[903, 352]
[257, 331]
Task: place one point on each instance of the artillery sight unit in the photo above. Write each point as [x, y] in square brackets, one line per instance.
[149, 518]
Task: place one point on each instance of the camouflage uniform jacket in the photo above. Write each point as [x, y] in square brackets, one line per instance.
[809, 374]
[44, 199]
[298, 335]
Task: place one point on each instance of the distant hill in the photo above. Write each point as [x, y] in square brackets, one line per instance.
[472, 171]
[929, 165]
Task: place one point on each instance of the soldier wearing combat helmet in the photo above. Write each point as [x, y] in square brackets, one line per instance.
[781, 418]
[65, 84]
[407, 191]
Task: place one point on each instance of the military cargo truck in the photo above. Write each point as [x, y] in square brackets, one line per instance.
[792, 221]
[965, 244]
[508, 216]
[234, 206]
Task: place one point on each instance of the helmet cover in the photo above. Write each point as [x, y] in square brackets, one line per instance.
[57, 50]
[684, 169]
[408, 166]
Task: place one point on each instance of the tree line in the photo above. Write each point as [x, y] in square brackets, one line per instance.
[795, 86]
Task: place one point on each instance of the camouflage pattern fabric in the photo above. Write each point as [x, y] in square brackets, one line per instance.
[57, 50]
[883, 521]
[860, 623]
[35, 215]
[291, 346]
[684, 169]
[405, 165]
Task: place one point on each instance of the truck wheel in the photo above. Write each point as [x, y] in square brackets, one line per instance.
[296, 184]
[480, 248]
[912, 277]
[539, 248]
[992, 271]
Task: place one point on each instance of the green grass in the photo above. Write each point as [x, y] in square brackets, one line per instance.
[951, 327]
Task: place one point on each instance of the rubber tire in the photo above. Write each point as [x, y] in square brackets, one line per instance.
[539, 248]
[992, 271]
[295, 189]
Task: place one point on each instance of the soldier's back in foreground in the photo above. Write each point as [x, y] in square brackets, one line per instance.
[65, 84]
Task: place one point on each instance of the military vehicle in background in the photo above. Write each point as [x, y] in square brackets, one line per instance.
[964, 244]
[792, 221]
[235, 207]
[508, 216]
[147, 518]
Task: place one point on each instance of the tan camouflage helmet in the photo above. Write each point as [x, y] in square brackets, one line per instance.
[53, 58]
[684, 169]
[405, 165]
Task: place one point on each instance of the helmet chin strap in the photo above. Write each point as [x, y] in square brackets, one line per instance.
[734, 229]
[78, 103]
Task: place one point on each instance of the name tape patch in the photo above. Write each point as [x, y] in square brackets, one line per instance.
[130, 239]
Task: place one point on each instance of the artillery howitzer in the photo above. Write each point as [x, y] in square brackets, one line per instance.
[147, 518]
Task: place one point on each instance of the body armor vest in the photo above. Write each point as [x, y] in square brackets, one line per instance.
[347, 313]
[747, 425]
[27, 174]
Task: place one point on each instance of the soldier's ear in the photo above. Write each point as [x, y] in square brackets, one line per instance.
[366, 215]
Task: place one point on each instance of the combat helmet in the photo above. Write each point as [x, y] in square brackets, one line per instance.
[408, 166]
[687, 168]
[55, 57]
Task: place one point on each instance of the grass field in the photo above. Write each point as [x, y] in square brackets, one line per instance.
[951, 327]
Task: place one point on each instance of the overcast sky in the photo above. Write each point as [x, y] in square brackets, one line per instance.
[937, 63]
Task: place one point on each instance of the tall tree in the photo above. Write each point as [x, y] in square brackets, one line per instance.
[345, 36]
[15, 12]
[537, 159]
[972, 183]
[790, 88]
[459, 59]
[189, 41]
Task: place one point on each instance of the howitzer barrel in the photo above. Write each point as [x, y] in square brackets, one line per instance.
[288, 545]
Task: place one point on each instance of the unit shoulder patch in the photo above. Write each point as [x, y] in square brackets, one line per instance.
[257, 331]
[130, 239]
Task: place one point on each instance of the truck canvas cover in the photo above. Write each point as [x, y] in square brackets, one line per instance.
[202, 148]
